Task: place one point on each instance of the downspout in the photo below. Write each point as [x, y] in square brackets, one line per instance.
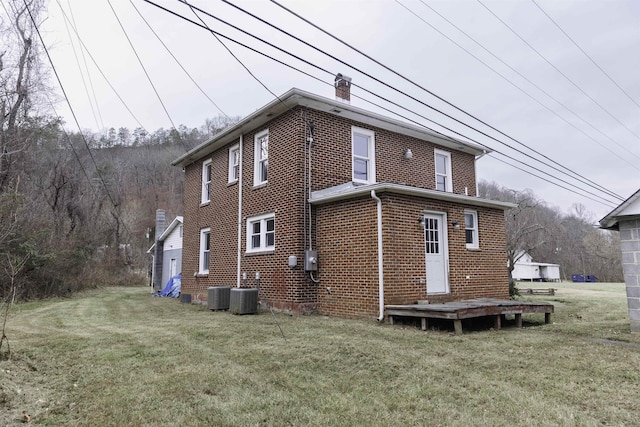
[380, 266]
[239, 210]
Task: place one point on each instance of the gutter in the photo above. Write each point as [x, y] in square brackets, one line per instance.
[380, 265]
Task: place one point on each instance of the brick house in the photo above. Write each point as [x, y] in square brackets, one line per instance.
[626, 219]
[339, 210]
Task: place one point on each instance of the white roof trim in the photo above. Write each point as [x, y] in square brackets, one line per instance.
[610, 221]
[295, 97]
[350, 190]
[177, 220]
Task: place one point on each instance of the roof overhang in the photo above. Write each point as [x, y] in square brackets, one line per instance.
[628, 210]
[177, 220]
[296, 97]
[350, 191]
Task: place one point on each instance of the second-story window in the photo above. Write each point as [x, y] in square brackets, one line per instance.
[363, 156]
[442, 160]
[206, 182]
[261, 158]
[234, 163]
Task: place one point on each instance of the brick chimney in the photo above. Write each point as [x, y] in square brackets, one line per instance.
[343, 88]
[158, 252]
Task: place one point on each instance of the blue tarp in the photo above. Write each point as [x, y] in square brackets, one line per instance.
[172, 289]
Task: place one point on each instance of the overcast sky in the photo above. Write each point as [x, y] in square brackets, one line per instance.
[577, 115]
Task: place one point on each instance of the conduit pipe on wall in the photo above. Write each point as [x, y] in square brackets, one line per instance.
[380, 265]
[239, 210]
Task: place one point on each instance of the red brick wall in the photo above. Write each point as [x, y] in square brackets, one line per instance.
[332, 157]
[346, 232]
[347, 250]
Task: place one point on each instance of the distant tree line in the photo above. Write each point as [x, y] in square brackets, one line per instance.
[77, 209]
[572, 239]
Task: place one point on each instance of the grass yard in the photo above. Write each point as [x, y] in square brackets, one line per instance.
[117, 357]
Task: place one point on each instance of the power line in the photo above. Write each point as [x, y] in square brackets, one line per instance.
[407, 95]
[75, 118]
[528, 94]
[307, 62]
[558, 70]
[148, 77]
[84, 83]
[230, 52]
[609, 204]
[177, 61]
[103, 75]
[84, 59]
[586, 54]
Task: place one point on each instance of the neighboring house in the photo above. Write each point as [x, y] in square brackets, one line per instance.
[167, 251]
[626, 219]
[339, 210]
[525, 269]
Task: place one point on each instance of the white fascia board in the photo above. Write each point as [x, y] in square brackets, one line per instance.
[629, 209]
[321, 197]
[294, 97]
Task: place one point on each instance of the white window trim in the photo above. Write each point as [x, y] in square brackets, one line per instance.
[262, 219]
[476, 241]
[448, 179]
[256, 159]
[232, 149]
[201, 269]
[371, 170]
[205, 196]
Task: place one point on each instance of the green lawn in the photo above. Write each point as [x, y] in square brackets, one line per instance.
[119, 357]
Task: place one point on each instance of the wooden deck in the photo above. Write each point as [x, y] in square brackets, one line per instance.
[468, 309]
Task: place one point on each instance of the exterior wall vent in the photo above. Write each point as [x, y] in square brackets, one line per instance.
[218, 297]
[243, 301]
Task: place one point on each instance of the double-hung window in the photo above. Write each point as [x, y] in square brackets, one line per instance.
[442, 160]
[206, 182]
[205, 250]
[261, 233]
[363, 156]
[261, 158]
[471, 229]
[234, 163]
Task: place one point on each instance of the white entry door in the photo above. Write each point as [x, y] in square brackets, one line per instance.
[436, 254]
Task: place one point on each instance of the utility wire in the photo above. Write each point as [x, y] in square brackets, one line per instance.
[95, 63]
[84, 59]
[386, 84]
[586, 54]
[148, 77]
[309, 63]
[583, 179]
[230, 52]
[558, 70]
[177, 61]
[608, 203]
[84, 83]
[629, 162]
[75, 118]
[75, 152]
